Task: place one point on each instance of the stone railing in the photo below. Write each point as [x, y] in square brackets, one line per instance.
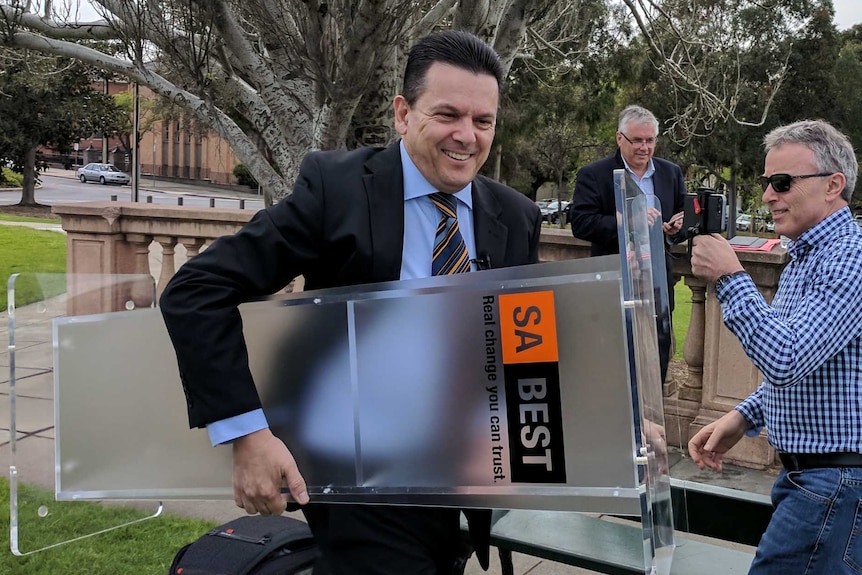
[152, 240]
[109, 238]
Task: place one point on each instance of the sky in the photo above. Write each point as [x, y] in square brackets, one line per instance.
[847, 13]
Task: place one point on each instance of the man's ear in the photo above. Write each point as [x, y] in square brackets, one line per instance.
[401, 108]
[836, 184]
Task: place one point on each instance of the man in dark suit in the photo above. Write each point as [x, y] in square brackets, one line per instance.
[593, 211]
[354, 217]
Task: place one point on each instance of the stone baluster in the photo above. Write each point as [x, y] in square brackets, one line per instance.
[692, 388]
[141, 289]
[192, 245]
[168, 244]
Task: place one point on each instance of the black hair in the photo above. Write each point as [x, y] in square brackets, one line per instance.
[454, 47]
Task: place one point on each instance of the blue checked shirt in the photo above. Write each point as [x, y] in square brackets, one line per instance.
[808, 343]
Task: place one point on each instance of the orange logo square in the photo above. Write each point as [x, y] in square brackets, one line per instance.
[528, 327]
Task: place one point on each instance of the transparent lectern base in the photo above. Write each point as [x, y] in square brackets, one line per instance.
[27, 432]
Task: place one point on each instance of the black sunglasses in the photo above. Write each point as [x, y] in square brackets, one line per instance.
[781, 182]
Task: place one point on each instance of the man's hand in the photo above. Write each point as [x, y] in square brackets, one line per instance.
[654, 436]
[653, 216]
[712, 257]
[710, 444]
[673, 225]
[261, 462]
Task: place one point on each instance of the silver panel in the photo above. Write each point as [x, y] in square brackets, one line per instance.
[381, 392]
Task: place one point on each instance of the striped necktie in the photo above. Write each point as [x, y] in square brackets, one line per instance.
[450, 251]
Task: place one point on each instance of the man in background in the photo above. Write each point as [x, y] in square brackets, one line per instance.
[808, 345]
[593, 212]
[412, 210]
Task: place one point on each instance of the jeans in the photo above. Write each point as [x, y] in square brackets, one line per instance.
[816, 527]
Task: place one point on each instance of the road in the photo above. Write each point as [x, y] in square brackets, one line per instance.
[60, 186]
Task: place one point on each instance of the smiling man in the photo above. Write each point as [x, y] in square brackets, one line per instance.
[361, 216]
[808, 345]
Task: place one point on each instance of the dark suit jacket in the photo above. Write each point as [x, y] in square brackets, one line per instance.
[343, 225]
[593, 217]
[594, 208]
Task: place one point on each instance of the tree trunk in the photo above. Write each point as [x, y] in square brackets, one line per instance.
[560, 190]
[28, 189]
[498, 161]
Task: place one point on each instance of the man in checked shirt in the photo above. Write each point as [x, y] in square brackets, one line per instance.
[808, 345]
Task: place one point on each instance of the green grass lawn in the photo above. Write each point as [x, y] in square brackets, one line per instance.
[14, 218]
[27, 251]
[681, 315]
[145, 548]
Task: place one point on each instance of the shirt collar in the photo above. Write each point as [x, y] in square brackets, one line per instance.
[649, 171]
[820, 234]
[416, 186]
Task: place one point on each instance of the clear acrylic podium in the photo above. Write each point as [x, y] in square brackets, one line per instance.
[34, 303]
[534, 387]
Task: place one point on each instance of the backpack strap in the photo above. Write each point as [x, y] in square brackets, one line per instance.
[239, 546]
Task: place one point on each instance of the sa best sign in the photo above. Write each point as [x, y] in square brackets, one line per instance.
[528, 337]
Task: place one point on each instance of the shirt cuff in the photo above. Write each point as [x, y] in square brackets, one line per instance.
[755, 428]
[726, 284]
[226, 430]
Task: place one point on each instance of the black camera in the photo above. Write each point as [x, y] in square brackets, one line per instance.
[704, 213]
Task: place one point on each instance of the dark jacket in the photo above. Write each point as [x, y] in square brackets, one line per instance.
[343, 225]
[594, 209]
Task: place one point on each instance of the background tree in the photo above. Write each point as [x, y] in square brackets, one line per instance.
[46, 101]
[299, 74]
[723, 149]
[848, 83]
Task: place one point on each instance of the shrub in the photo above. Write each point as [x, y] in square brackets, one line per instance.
[244, 177]
[10, 179]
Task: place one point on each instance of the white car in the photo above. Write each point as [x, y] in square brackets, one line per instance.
[743, 222]
[102, 173]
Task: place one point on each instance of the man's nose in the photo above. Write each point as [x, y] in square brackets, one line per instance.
[465, 131]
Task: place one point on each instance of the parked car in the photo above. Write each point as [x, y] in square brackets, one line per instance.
[551, 212]
[743, 222]
[102, 173]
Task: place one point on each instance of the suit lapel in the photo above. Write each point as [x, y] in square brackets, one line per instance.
[489, 231]
[384, 186]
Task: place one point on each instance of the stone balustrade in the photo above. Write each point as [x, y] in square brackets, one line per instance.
[121, 238]
[117, 238]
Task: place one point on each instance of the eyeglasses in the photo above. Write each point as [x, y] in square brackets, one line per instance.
[781, 182]
[640, 141]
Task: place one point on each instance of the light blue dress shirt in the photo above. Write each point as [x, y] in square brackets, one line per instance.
[645, 183]
[421, 218]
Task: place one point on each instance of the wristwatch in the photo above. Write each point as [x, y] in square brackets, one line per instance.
[727, 277]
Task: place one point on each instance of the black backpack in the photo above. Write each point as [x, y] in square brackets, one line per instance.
[251, 545]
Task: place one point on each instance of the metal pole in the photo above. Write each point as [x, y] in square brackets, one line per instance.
[105, 136]
[136, 166]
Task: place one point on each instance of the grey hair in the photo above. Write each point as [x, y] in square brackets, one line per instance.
[833, 151]
[636, 115]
